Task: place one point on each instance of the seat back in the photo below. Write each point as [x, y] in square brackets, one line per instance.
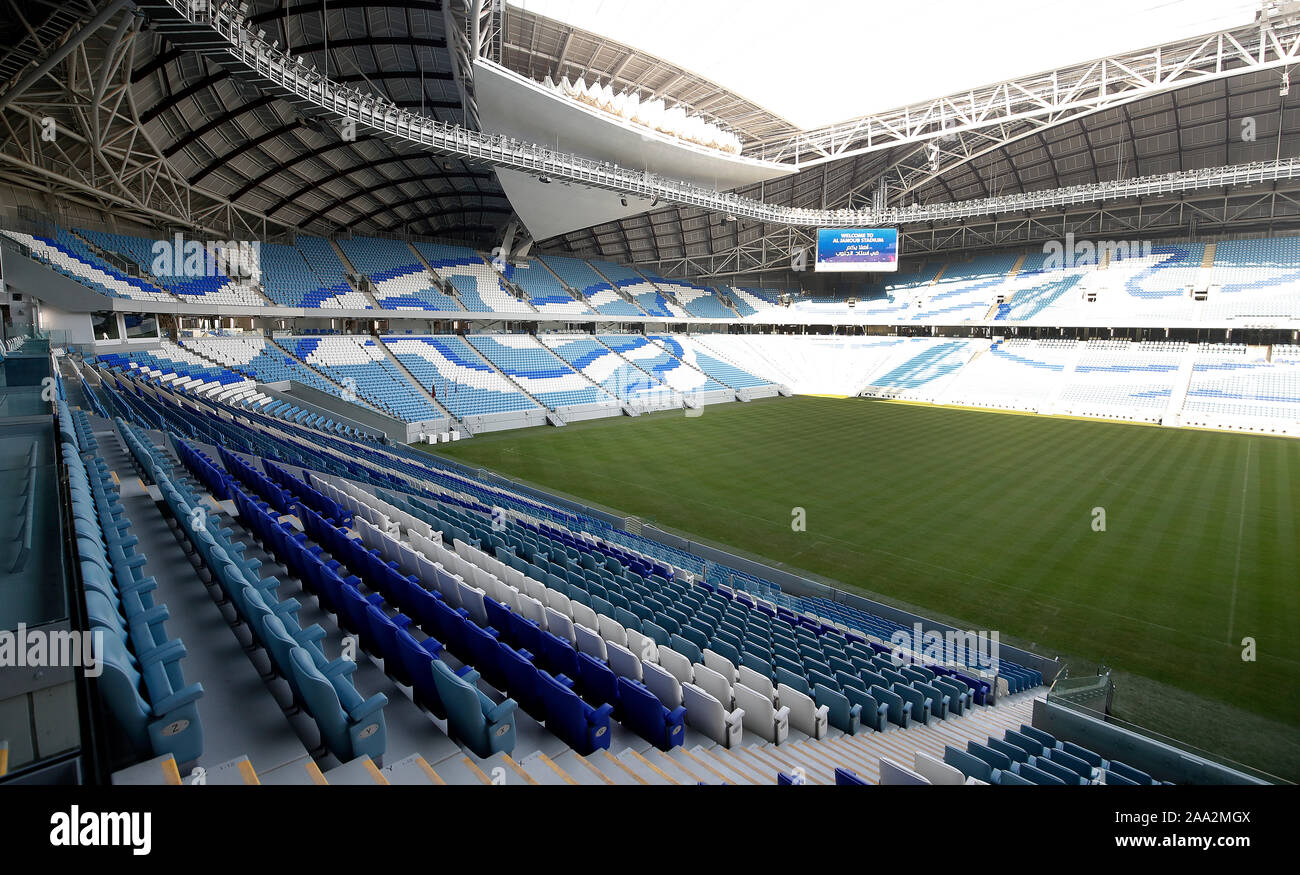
[661, 682]
[760, 683]
[721, 665]
[936, 771]
[714, 684]
[623, 662]
[589, 641]
[677, 665]
[805, 715]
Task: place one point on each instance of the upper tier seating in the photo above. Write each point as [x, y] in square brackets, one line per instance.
[646, 295]
[480, 286]
[597, 290]
[203, 282]
[399, 281]
[546, 293]
[70, 256]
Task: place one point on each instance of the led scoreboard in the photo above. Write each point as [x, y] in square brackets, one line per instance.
[857, 249]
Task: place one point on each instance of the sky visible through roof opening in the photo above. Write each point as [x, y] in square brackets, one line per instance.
[820, 63]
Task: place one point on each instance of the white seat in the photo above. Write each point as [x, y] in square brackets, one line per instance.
[515, 578]
[559, 601]
[804, 713]
[660, 681]
[584, 615]
[895, 774]
[535, 589]
[559, 624]
[531, 609]
[623, 662]
[760, 716]
[936, 771]
[756, 682]
[448, 585]
[715, 685]
[642, 645]
[705, 713]
[677, 665]
[589, 641]
[471, 599]
[610, 630]
[721, 665]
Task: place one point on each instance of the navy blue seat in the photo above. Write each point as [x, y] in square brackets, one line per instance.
[645, 715]
[848, 778]
[582, 727]
[418, 657]
[558, 655]
[522, 682]
[597, 681]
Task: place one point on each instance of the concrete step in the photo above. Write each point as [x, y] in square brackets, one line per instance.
[545, 771]
[460, 769]
[361, 771]
[582, 769]
[674, 768]
[412, 770]
[614, 769]
[704, 771]
[501, 768]
[157, 771]
[300, 772]
[647, 771]
[722, 762]
[236, 772]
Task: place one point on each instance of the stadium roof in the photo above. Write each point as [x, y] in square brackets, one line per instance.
[214, 149]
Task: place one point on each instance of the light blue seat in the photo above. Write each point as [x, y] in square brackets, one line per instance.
[152, 728]
[872, 713]
[482, 725]
[841, 713]
[349, 726]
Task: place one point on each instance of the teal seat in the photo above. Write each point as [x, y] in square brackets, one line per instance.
[475, 720]
[841, 713]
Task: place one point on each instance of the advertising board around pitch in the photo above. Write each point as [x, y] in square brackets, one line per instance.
[857, 249]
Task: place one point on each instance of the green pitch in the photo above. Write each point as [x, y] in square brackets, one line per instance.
[990, 520]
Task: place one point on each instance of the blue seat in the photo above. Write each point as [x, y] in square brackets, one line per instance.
[1038, 776]
[921, 704]
[418, 657]
[597, 680]
[558, 655]
[169, 725]
[484, 654]
[349, 725]
[900, 712]
[842, 714]
[848, 778]
[645, 715]
[1059, 771]
[522, 682]
[790, 679]
[874, 714]
[1126, 771]
[385, 629]
[968, 765]
[582, 727]
[1014, 753]
[475, 720]
[657, 633]
[995, 759]
[687, 648]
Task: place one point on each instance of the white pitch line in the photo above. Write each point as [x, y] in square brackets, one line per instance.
[1241, 527]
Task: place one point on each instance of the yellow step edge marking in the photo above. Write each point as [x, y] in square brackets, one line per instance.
[116, 481]
[473, 767]
[736, 763]
[709, 758]
[568, 779]
[518, 769]
[316, 777]
[428, 770]
[595, 771]
[249, 774]
[613, 759]
[171, 774]
[660, 772]
[373, 771]
[703, 765]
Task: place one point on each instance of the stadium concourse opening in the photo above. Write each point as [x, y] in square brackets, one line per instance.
[452, 394]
